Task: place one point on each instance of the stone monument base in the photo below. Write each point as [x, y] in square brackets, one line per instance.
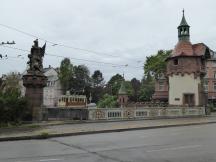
[34, 93]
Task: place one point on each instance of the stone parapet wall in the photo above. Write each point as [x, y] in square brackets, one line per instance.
[65, 113]
[143, 112]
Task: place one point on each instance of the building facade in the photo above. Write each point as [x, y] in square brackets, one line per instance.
[210, 80]
[53, 89]
[189, 78]
[161, 89]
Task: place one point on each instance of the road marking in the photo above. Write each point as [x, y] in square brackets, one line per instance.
[175, 148]
[42, 160]
[49, 159]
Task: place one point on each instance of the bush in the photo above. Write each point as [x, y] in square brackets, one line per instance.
[13, 108]
[44, 135]
[108, 101]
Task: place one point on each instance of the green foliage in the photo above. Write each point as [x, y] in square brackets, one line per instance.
[114, 84]
[153, 67]
[108, 101]
[97, 89]
[147, 88]
[13, 108]
[81, 80]
[97, 79]
[10, 85]
[156, 64]
[44, 135]
[129, 88]
[65, 74]
[136, 86]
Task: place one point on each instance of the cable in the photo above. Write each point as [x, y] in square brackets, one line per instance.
[59, 44]
[49, 54]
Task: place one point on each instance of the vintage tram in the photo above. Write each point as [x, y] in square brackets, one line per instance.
[72, 101]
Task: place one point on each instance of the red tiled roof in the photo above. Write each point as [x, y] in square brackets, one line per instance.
[199, 49]
[185, 48]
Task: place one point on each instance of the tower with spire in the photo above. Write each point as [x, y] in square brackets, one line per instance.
[184, 29]
[122, 95]
[186, 69]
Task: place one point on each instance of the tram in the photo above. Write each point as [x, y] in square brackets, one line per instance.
[72, 101]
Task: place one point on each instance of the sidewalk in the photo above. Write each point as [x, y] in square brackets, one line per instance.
[58, 129]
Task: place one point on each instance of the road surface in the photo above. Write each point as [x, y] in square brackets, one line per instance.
[176, 144]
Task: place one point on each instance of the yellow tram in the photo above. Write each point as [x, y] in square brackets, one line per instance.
[72, 101]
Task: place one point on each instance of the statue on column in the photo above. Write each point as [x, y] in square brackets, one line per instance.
[35, 80]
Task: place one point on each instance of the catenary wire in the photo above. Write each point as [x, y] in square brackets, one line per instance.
[54, 55]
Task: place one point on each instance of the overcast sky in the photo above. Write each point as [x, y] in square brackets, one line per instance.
[129, 30]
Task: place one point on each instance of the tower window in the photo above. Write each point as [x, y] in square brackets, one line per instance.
[215, 75]
[175, 61]
[214, 86]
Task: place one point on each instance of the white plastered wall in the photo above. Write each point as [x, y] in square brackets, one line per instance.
[178, 85]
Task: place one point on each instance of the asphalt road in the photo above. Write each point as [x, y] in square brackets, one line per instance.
[176, 144]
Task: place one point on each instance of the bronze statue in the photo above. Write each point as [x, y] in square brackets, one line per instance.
[36, 58]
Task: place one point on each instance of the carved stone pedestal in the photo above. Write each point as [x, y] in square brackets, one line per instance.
[34, 93]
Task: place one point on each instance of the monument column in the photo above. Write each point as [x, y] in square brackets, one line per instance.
[35, 80]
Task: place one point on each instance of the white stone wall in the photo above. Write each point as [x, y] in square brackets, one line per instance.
[178, 85]
[143, 112]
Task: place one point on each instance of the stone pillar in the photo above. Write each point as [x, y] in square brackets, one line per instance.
[34, 93]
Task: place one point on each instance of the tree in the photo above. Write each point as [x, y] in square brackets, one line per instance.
[97, 86]
[1, 81]
[136, 85]
[97, 78]
[80, 83]
[147, 88]
[156, 64]
[108, 101]
[114, 84]
[13, 107]
[10, 84]
[66, 72]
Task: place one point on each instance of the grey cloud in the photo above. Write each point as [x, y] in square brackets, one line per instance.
[130, 29]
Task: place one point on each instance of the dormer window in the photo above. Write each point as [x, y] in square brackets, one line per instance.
[175, 61]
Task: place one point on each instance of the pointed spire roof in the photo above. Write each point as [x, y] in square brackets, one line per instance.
[122, 90]
[183, 21]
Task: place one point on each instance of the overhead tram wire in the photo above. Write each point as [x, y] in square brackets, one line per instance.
[65, 57]
[49, 54]
[59, 44]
